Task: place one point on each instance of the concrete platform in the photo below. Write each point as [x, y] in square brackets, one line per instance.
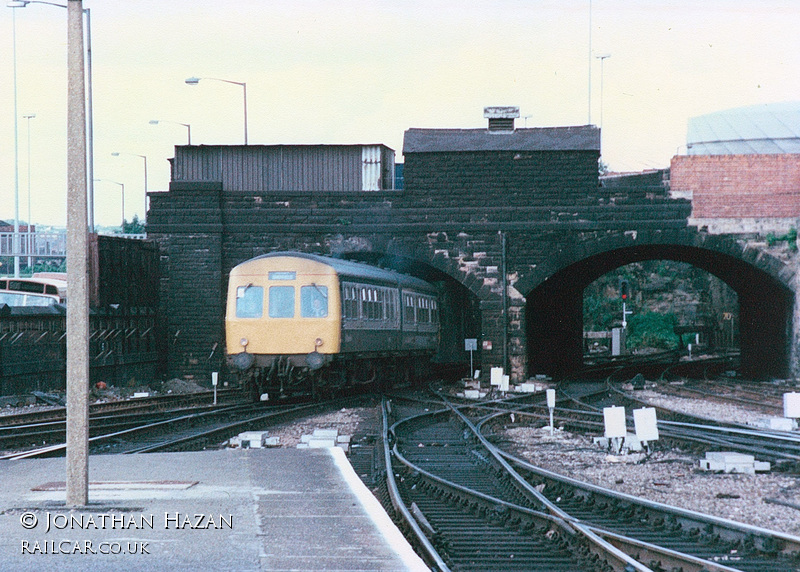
[235, 510]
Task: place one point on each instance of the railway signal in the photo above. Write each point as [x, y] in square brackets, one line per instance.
[624, 294]
[624, 290]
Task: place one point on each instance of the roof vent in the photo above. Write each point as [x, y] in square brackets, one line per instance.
[501, 118]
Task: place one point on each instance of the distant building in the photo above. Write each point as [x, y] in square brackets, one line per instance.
[742, 171]
[331, 168]
[6, 226]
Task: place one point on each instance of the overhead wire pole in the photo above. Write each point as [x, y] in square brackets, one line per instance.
[77, 483]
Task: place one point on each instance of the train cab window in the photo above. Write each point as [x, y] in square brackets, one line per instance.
[249, 301]
[313, 301]
[281, 301]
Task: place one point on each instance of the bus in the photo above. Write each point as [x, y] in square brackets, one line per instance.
[41, 289]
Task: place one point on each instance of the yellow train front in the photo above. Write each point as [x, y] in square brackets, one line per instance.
[301, 323]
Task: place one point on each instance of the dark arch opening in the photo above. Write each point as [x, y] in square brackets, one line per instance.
[554, 311]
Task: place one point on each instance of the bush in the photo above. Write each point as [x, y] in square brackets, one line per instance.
[652, 330]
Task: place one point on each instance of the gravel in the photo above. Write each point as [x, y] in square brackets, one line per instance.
[345, 420]
[667, 477]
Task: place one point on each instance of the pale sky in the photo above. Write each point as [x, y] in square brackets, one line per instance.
[355, 71]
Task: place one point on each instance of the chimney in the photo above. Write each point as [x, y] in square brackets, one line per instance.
[501, 119]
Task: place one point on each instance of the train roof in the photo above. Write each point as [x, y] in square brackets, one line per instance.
[356, 270]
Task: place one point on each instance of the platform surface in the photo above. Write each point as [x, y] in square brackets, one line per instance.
[230, 510]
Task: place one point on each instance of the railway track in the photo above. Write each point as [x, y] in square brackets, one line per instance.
[183, 431]
[461, 490]
[163, 402]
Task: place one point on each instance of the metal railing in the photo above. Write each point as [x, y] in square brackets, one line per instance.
[33, 244]
[42, 244]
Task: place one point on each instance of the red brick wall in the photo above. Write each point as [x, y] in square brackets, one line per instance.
[739, 186]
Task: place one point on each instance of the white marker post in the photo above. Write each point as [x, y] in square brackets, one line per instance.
[470, 345]
[645, 423]
[615, 428]
[791, 405]
[551, 405]
[214, 379]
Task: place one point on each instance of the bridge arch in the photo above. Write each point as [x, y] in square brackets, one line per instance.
[763, 283]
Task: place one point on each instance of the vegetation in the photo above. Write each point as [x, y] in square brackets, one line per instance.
[663, 294]
[790, 238]
[652, 330]
[133, 227]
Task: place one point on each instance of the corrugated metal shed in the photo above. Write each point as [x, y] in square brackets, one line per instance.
[757, 129]
[579, 138]
[336, 168]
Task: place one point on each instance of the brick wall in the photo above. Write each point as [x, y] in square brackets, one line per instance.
[739, 186]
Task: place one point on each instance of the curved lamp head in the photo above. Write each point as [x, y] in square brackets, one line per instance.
[21, 4]
[192, 80]
[115, 154]
[154, 122]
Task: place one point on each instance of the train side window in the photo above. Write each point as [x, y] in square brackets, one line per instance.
[313, 301]
[423, 313]
[281, 301]
[249, 301]
[408, 310]
[352, 303]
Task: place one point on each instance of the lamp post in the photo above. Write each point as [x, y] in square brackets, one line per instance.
[196, 80]
[15, 241]
[30, 236]
[602, 58]
[188, 127]
[88, 90]
[122, 186]
[117, 154]
[77, 481]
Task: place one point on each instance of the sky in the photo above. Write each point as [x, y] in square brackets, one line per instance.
[362, 72]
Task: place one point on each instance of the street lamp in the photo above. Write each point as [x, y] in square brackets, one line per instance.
[15, 241]
[117, 154]
[89, 115]
[602, 58]
[122, 185]
[196, 80]
[30, 236]
[188, 127]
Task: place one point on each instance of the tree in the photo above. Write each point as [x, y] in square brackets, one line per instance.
[133, 227]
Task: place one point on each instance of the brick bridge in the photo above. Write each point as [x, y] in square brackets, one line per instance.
[477, 205]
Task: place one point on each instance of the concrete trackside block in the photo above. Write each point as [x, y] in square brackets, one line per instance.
[326, 433]
[321, 443]
[253, 439]
[782, 424]
[729, 462]
[527, 388]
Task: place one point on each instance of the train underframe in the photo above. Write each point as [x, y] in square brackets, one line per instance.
[281, 377]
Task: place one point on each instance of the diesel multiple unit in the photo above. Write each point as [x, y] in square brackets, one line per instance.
[299, 323]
